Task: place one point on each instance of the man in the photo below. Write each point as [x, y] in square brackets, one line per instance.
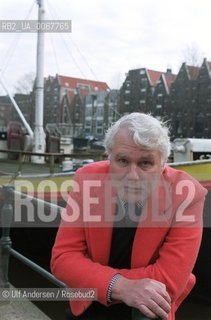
[132, 227]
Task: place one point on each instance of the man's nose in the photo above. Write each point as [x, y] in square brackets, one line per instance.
[133, 172]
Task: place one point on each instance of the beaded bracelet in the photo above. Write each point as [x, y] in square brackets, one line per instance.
[110, 287]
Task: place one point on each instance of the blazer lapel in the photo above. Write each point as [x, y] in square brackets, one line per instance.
[154, 223]
[99, 233]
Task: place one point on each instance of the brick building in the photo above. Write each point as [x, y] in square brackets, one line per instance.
[183, 101]
[88, 107]
[25, 104]
[111, 108]
[137, 91]
[65, 100]
[5, 111]
[202, 123]
[161, 103]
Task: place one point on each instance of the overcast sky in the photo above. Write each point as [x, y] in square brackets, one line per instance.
[108, 37]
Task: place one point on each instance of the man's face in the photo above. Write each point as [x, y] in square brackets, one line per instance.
[135, 170]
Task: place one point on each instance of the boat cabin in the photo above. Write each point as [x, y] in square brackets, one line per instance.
[187, 149]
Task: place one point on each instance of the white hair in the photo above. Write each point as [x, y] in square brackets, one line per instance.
[146, 131]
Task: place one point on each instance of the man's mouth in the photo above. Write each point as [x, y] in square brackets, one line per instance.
[132, 189]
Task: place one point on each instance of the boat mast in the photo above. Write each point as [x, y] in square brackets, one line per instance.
[39, 134]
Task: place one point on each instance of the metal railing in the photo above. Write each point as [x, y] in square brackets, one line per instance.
[6, 218]
[52, 157]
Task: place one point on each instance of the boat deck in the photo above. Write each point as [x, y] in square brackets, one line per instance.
[8, 167]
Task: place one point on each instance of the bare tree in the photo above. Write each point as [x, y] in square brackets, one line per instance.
[25, 84]
[192, 55]
[116, 80]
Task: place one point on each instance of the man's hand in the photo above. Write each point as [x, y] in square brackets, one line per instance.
[148, 296]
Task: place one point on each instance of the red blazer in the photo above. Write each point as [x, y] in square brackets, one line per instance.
[166, 242]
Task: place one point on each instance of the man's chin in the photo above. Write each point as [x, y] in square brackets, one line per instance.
[133, 197]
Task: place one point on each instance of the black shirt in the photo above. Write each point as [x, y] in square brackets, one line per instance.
[120, 258]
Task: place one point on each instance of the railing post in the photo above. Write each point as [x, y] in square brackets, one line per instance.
[5, 241]
[52, 160]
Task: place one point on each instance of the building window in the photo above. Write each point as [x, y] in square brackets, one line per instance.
[127, 102]
[143, 95]
[88, 112]
[100, 123]
[100, 112]
[144, 82]
[99, 130]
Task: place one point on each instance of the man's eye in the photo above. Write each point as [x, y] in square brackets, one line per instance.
[146, 164]
[122, 161]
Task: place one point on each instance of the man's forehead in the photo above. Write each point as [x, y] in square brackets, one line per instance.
[141, 152]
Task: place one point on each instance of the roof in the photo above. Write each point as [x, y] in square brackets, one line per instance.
[74, 83]
[193, 72]
[73, 92]
[168, 79]
[70, 95]
[153, 76]
[209, 64]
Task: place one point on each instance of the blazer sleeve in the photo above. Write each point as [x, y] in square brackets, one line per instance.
[173, 262]
[70, 261]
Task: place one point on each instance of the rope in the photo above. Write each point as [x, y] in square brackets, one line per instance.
[55, 16]
[12, 48]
